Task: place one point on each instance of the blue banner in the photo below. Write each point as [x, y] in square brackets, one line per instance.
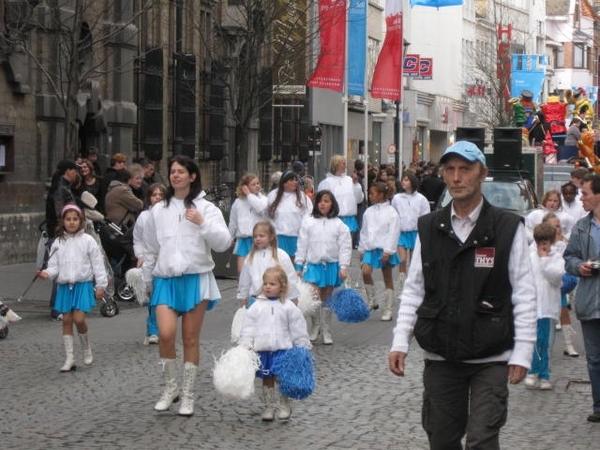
[435, 3]
[528, 72]
[357, 46]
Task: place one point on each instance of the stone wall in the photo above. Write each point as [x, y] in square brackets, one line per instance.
[19, 236]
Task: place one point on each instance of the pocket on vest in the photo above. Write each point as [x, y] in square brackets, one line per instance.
[493, 328]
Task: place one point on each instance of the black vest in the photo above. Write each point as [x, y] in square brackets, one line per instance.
[467, 309]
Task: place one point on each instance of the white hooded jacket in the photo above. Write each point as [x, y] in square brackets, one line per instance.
[347, 193]
[324, 240]
[380, 229]
[245, 213]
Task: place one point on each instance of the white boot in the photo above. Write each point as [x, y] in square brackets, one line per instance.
[325, 325]
[387, 307]
[187, 390]
[568, 334]
[268, 403]
[88, 358]
[70, 361]
[285, 408]
[371, 300]
[170, 393]
[315, 325]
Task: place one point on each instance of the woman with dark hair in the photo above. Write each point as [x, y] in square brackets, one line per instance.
[323, 256]
[287, 206]
[89, 180]
[178, 237]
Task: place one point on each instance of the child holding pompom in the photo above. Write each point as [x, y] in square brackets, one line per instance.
[271, 326]
[323, 255]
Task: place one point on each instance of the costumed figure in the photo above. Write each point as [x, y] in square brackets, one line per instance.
[583, 105]
[555, 112]
[586, 150]
[520, 105]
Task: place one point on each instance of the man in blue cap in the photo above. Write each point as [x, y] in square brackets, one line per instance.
[470, 303]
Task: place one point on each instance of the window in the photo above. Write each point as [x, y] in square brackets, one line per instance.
[559, 57]
[579, 56]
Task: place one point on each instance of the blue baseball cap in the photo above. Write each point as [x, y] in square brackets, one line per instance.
[466, 150]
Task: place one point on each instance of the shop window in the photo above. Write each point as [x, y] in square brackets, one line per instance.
[7, 148]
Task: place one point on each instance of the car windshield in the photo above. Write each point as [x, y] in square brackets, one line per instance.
[505, 195]
[556, 175]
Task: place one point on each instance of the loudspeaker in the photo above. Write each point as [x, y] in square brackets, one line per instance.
[508, 148]
[476, 135]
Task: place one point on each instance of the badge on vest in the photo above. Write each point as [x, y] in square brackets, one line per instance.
[484, 257]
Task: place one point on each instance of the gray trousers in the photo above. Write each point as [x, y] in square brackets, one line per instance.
[464, 398]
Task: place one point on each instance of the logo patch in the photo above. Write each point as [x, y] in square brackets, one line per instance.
[484, 257]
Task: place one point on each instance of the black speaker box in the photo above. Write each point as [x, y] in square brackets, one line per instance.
[508, 148]
[476, 135]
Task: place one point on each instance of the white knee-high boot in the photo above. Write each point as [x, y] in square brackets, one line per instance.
[170, 393]
[187, 390]
[70, 360]
[268, 402]
[387, 307]
[315, 325]
[326, 325]
[285, 407]
[568, 333]
[88, 358]
[371, 300]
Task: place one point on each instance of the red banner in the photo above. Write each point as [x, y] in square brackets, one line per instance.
[387, 77]
[329, 72]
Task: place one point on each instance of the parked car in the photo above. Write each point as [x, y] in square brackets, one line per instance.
[555, 175]
[514, 194]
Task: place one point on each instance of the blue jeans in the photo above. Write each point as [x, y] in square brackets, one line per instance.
[591, 341]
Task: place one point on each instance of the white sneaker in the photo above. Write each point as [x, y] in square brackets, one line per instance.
[153, 339]
[558, 326]
[545, 385]
[531, 381]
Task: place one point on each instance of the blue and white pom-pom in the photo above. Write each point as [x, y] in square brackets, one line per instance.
[295, 373]
[236, 324]
[133, 277]
[348, 305]
[234, 372]
[308, 300]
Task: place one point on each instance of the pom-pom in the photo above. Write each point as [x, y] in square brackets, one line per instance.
[569, 283]
[236, 324]
[295, 372]
[234, 372]
[134, 279]
[308, 300]
[348, 305]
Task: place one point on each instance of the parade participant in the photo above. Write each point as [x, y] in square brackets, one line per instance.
[77, 265]
[410, 205]
[155, 193]
[551, 202]
[469, 302]
[273, 324]
[378, 240]
[581, 256]
[179, 236]
[264, 254]
[288, 205]
[247, 210]
[323, 257]
[583, 105]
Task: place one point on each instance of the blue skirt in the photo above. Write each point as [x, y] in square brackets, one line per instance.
[350, 222]
[181, 294]
[373, 258]
[407, 239]
[322, 275]
[267, 361]
[79, 296]
[288, 244]
[243, 246]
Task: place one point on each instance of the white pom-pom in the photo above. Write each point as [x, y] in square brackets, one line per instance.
[135, 281]
[234, 372]
[236, 324]
[308, 300]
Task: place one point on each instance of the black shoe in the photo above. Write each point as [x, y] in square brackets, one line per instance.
[594, 417]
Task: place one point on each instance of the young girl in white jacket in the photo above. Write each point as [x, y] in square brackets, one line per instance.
[271, 326]
[179, 236]
[264, 254]
[247, 210]
[77, 264]
[323, 256]
[378, 239]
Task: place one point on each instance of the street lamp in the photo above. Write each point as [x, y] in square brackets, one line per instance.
[398, 124]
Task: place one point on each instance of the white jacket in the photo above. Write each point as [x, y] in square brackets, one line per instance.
[380, 229]
[410, 207]
[324, 240]
[251, 276]
[138, 234]
[271, 325]
[536, 216]
[77, 258]
[288, 216]
[176, 246]
[547, 272]
[245, 213]
[347, 193]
